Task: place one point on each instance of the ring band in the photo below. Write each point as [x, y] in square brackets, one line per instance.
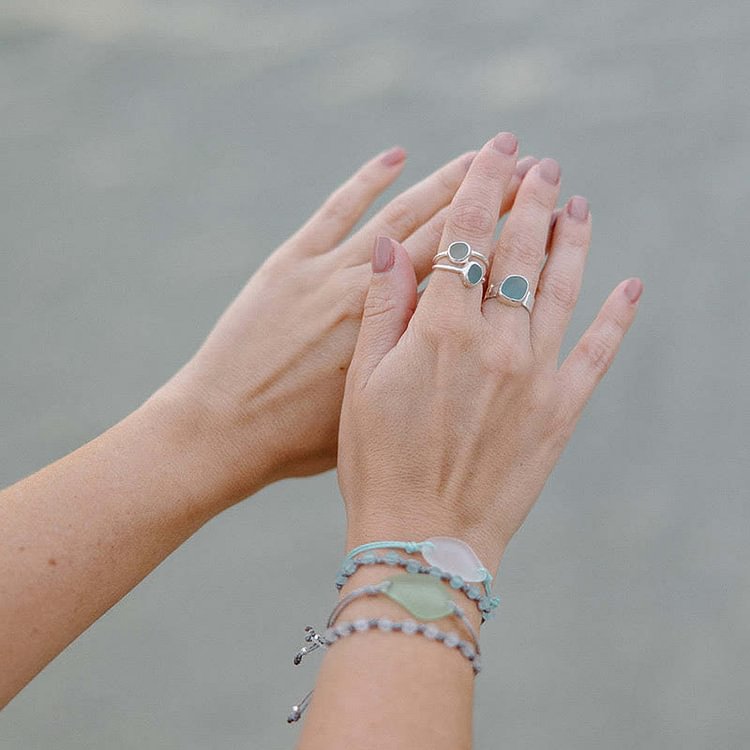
[513, 290]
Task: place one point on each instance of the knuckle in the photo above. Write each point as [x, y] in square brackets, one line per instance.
[573, 235]
[378, 305]
[473, 220]
[400, 215]
[561, 289]
[540, 201]
[509, 362]
[336, 208]
[448, 331]
[598, 352]
[525, 246]
[447, 180]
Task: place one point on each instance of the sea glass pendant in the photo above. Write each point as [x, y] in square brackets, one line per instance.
[423, 596]
[453, 556]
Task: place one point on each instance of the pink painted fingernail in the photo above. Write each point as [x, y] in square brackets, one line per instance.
[382, 255]
[393, 157]
[633, 290]
[525, 165]
[578, 208]
[506, 143]
[550, 171]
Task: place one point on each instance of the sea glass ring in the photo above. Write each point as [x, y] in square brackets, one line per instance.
[513, 290]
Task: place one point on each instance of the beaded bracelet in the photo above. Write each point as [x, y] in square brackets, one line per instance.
[445, 552]
[408, 627]
[486, 604]
[397, 589]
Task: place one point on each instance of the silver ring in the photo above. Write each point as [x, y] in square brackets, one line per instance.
[473, 273]
[459, 253]
[512, 290]
[462, 259]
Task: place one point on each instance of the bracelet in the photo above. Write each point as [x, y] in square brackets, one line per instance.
[422, 597]
[445, 552]
[486, 604]
[408, 627]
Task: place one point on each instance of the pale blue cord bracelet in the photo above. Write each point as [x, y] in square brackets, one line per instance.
[432, 550]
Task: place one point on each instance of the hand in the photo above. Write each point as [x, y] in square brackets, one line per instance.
[455, 414]
[263, 394]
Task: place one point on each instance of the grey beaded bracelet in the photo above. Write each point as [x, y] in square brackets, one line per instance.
[486, 604]
[408, 627]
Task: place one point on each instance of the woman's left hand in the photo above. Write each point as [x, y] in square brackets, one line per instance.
[260, 400]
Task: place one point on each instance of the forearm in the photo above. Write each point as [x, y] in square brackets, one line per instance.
[80, 533]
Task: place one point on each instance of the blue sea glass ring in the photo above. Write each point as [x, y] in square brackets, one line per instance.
[512, 290]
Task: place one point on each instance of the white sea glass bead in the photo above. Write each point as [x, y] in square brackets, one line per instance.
[453, 556]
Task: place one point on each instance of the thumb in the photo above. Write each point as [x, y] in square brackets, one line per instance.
[389, 306]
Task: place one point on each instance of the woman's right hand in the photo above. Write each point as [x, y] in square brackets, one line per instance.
[455, 409]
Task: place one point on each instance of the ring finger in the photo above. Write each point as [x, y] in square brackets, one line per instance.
[523, 240]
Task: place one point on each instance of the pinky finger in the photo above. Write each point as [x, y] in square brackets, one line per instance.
[595, 351]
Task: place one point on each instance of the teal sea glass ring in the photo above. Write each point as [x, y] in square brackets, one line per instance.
[513, 290]
[472, 273]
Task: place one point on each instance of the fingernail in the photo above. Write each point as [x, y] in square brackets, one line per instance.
[578, 208]
[506, 143]
[550, 171]
[525, 165]
[468, 159]
[382, 255]
[395, 156]
[633, 290]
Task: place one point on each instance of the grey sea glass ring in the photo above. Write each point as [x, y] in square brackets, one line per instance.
[460, 253]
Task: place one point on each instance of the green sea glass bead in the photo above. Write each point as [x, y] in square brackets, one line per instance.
[423, 596]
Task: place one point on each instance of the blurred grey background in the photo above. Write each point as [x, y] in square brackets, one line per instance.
[153, 153]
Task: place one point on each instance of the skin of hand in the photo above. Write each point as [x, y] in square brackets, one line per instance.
[455, 412]
[265, 389]
[259, 401]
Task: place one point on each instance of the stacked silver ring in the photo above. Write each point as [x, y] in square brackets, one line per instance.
[462, 259]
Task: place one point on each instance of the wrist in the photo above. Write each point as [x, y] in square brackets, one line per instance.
[198, 441]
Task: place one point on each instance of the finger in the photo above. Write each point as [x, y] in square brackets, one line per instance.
[595, 351]
[388, 308]
[410, 210]
[423, 243]
[472, 218]
[560, 280]
[523, 240]
[344, 208]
